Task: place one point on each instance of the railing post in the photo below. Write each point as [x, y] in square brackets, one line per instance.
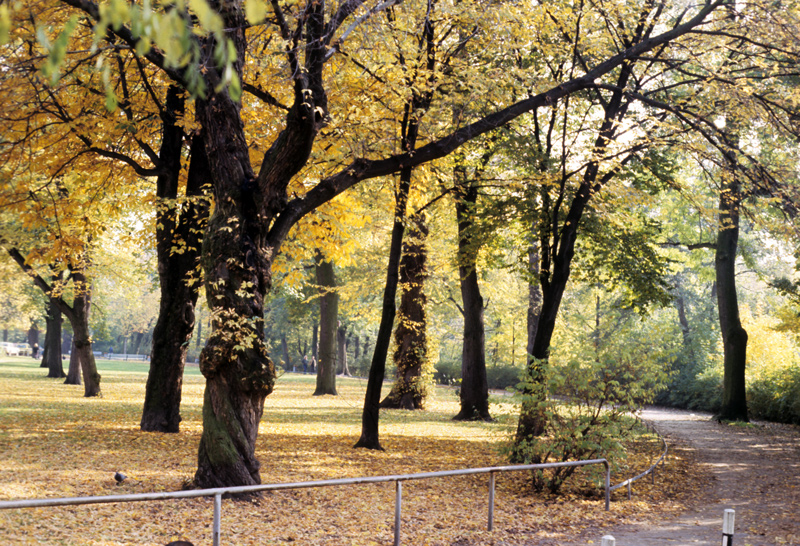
[608, 485]
[630, 494]
[727, 527]
[398, 506]
[491, 501]
[217, 519]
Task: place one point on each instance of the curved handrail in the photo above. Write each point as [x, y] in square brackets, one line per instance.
[651, 470]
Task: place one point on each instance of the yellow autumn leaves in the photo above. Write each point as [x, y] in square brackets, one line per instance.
[54, 442]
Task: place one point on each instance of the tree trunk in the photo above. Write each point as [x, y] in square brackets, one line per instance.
[328, 323]
[474, 386]
[287, 359]
[411, 355]
[370, 433]
[74, 369]
[686, 332]
[734, 336]
[315, 340]
[237, 261]
[558, 234]
[52, 342]
[173, 329]
[534, 298]
[82, 339]
[341, 344]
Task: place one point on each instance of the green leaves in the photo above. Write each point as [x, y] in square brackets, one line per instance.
[5, 23]
[57, 50]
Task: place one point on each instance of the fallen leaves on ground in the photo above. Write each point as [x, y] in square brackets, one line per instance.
[56, 443]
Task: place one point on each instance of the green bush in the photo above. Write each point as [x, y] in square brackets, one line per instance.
[448, 372]
[776, 396]
[503, 377]
[592, 415]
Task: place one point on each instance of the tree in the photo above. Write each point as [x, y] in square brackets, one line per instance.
[77, 313]
[178, 243]
[474, 393]
[328, 324]
[254, 208]
[410, 337]
[51, 357]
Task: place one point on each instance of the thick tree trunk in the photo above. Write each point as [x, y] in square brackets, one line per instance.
[237, 261]
[474, 386]
[328, 324]
[410, 336]
[82, 340]
[173, 330]
[74, 369]
[52, 342]
[734, 336]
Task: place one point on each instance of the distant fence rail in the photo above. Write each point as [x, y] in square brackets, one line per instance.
[398, 479]
[124, 356]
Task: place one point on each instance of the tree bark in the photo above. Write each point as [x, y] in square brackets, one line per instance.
[78, 316]
[52, 342]
[734, 336]
[82, 340]
[74, 369]
[410, 336]
[474, 385]
[328, 323]
[179, 292]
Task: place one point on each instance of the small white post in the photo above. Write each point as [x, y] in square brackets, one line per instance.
[607, 540]
[727, 527]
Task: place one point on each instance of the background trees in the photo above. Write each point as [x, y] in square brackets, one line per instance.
[291, 106]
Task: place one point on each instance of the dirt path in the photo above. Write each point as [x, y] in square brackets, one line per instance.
[756, 471]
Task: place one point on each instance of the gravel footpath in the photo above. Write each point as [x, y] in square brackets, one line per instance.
[755, 470]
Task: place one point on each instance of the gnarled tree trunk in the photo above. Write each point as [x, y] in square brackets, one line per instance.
[411, 355]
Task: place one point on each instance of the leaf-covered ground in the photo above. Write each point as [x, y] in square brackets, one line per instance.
[56, 443]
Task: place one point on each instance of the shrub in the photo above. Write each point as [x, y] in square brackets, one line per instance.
[448, 372]
[591, 417]
[503, 377]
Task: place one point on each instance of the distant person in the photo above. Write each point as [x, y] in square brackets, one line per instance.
[305, 363]
[313, 364]
[35, 351]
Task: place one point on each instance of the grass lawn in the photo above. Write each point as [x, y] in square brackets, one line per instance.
[56, 443]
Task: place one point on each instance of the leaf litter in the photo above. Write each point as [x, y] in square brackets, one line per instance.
[56, 443]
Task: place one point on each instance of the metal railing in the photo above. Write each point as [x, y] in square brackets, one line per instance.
[652, 470]
[218, 493]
